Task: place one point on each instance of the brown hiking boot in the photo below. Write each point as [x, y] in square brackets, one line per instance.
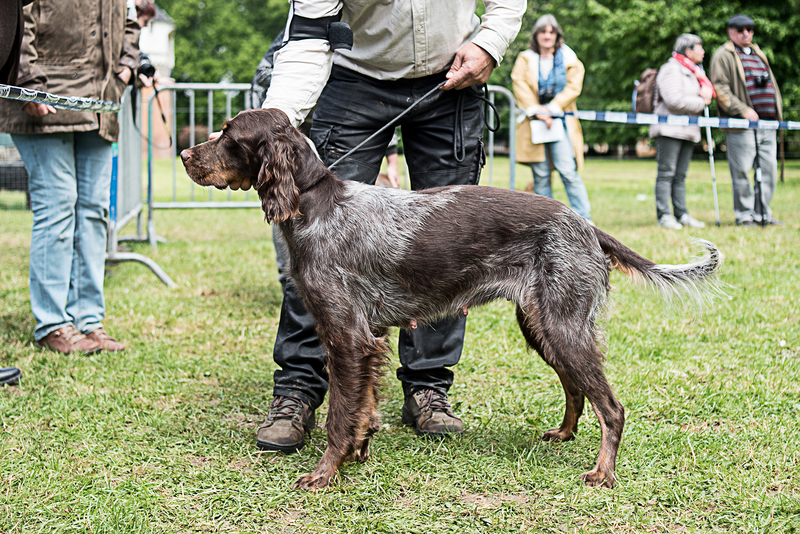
[429, 411]
[67, 340]
[108, 343]
[288, 420]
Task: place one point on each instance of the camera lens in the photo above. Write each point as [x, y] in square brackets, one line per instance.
[147, 69]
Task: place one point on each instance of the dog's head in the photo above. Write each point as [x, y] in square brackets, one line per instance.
[257, 148]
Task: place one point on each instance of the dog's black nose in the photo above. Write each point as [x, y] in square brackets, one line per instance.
[185, 155]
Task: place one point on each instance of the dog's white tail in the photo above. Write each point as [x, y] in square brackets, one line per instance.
[695, 282]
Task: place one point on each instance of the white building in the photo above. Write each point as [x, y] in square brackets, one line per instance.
[157, 40]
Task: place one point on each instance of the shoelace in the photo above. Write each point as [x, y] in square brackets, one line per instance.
[285, 407]
[101, 334]
[69, 333]
[435, 401]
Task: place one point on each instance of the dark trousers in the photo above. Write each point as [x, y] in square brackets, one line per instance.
[442, 141]
[672, 157]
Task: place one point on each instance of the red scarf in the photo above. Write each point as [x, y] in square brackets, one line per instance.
[701, 76]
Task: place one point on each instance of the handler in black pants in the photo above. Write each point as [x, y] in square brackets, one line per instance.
[442, 140]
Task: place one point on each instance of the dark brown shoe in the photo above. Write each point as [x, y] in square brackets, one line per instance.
[67, 340]
[108, 343]
[288, 421]
[431, 414]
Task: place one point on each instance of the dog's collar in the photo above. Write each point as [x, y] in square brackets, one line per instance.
[311, 186]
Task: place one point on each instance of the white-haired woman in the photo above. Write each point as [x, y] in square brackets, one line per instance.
[682, 88]
[548, 78]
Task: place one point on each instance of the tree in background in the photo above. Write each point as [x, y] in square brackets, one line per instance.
[618, 39]
[223, 40]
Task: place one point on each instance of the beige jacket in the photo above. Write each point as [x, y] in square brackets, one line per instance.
[677, 93]
[525, 77]
[392, 40]
[74, 48]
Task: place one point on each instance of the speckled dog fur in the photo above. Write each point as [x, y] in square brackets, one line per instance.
[365, 258]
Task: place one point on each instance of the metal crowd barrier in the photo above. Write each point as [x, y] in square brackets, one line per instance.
[232, 90]
[126, 189]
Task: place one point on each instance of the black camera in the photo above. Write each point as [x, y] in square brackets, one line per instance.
[546, 95]
[145, 68]
[761, 80]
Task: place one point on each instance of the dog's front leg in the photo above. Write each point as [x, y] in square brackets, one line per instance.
[354, 364]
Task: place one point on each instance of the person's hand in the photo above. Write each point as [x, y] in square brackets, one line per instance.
[394, 178]
[707, 93]
[750, 114]
[548, 120]
[146, 82]
[214, 135]
[38, 110]
[125, 75]
[544, 115]
[471, 66]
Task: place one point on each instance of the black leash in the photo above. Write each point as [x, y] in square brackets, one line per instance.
[458, 126]
[388, 125]
[161, 112]
[459, 151]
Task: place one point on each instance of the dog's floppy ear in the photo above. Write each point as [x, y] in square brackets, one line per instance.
[279, 195]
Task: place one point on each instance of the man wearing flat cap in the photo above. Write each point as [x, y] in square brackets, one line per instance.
[746, 88]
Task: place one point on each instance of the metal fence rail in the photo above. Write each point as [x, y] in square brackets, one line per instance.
[216, 199]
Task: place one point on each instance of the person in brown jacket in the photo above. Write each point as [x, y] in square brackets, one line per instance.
[746, 88]
[10, 42]
[86, 48]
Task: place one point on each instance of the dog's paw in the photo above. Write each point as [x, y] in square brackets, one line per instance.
[558, 434]
[597, 477]
[313, 481]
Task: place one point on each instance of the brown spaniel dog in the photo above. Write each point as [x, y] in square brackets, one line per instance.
[366, 258]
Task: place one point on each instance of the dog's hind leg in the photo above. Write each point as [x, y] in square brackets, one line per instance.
[588, 375]
[573, 354]
[572, 412]
[354, 361]
[573, 394]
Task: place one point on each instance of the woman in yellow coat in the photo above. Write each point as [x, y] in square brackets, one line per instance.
[547, 80]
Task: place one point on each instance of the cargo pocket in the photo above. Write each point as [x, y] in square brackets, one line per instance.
[478, 163]
[321, 137]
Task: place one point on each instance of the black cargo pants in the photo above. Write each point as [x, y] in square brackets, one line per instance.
[442, 143]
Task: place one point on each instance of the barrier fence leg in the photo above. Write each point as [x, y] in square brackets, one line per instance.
[758, 192]
[710, 142]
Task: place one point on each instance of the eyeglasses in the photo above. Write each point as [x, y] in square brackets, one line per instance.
[748, 29]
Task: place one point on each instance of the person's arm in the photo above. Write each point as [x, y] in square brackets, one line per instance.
[129, 57]
[391, 169]
[670, 90]
[524, 94]
[722, 77]
[475, 61]
[500, 24]
[302, 66]
[31, 75]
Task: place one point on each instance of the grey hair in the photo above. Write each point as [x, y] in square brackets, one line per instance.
[541, 23]
[687, 40]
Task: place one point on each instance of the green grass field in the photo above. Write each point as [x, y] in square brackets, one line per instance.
[161, 438]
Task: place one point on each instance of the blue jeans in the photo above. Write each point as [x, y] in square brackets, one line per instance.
[69, 181]
[563, 158]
